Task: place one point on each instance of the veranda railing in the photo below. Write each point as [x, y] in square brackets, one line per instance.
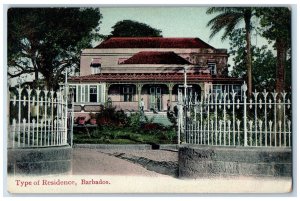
[233, 119]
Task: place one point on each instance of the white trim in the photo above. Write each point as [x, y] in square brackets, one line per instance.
[83, 92]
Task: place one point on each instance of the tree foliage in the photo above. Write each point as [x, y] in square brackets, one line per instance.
[129, 28]
[263, 62]
[47, 41]
[276, 26]
[276, 22]
[228, 19]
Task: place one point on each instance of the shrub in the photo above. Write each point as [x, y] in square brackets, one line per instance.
[134, 121]
[172, 118]
[109, 116]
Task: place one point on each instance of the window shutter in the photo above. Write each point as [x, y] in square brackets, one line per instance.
[99, 93]
[87, 93]
[103, 89]
[79, 93]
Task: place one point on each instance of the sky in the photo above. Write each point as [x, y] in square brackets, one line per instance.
[172, 21]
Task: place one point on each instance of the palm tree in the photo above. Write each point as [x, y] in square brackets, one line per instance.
[229, 18]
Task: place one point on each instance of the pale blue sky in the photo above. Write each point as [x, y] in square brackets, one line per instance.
[173, 21]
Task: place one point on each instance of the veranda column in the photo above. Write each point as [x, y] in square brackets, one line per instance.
[106, 92]
[170, 86]
[139, 90]
[202, 86]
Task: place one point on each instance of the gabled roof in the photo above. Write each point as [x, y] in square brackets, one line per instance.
[153, 57]
[153, 42]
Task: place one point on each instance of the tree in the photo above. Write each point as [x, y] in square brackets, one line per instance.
[263, 61]
[276, 26]
[47, 41]
[229, 18]
[129, 28]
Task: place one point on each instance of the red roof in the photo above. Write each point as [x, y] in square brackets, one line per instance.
[155, 58]
[153, 77]
[153, 42]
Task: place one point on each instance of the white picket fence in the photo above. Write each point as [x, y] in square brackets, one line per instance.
[38, 118]
[233, 119]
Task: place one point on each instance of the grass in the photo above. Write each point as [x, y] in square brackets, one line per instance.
[118, 135]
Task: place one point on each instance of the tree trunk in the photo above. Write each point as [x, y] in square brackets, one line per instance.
[48, 80]
[247, 19]
[281, 59]
[36, 77]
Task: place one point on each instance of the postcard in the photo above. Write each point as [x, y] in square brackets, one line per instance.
[149, 99]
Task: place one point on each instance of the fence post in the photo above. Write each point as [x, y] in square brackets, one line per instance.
[244, 88]
[178, 131]
[66, 111]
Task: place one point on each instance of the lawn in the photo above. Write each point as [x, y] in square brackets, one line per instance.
[123, 135]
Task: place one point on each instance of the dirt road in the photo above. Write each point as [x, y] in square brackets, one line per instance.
[151, 171]
[103, 162]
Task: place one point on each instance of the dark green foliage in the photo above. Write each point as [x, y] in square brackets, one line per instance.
[116, 135]
[276, 26]
[263, 62]
[275, 22]
[269, 72]
[129, 28]
[46, 41]
[227, 19]
[134, 121]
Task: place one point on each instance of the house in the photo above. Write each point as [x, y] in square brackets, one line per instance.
[121, 71]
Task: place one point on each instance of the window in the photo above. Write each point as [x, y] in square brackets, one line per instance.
[95, 70]
[238, 91]
[95, 66]
[227, 88]
[128, 93]
[213, 68]
[217, 89]
[83, 93]
[72, 93]
[93, 93]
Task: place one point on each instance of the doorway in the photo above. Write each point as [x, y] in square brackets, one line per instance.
[155, 99]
